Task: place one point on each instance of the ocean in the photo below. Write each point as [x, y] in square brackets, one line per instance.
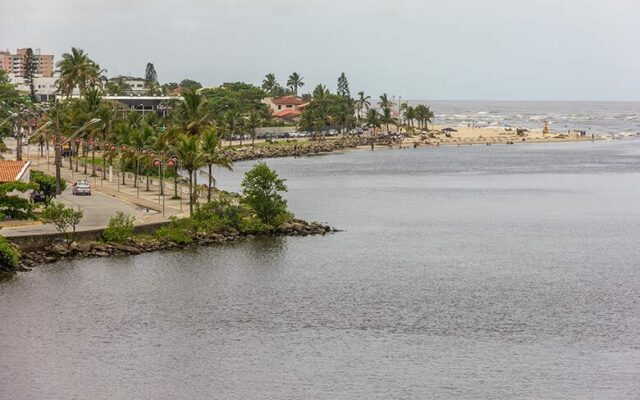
[600, 118]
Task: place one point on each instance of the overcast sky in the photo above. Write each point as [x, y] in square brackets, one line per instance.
[417, 49]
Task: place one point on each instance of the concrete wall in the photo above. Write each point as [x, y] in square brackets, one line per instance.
[35, 242]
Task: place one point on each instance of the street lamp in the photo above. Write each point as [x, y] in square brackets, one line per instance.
[169, 163]
[58, 149]
[35, 134]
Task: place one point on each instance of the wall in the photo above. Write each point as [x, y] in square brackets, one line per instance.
[35, 242]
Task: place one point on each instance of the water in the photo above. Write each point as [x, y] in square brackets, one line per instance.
[501, 272]
[593, 117]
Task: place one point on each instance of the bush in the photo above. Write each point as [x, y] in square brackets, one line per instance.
[261, 187]
[120, 228]
[14, 206]
[218, 215]
[63, 217]
[252, 225]
[9, 256]
[46, 184]
[179, 230]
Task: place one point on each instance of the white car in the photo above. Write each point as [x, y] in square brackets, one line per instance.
[81, 188]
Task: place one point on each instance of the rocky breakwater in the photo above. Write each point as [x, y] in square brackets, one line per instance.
[144, 244]
[292, 148]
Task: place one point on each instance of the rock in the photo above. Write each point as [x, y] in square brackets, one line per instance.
[61, 249]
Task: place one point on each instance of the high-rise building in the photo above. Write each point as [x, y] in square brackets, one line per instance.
[15, 63]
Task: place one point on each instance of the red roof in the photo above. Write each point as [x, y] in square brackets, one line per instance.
[288, 100]
[287, 113]
[11, 170]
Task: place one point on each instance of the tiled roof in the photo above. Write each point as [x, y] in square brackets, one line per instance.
[287, 113]
[11, 170]
[287, 100]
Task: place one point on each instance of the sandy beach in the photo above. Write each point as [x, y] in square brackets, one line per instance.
[492, 135]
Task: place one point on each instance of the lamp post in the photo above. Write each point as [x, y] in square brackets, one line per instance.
[36, 134]
[158, 163]
[59, 143]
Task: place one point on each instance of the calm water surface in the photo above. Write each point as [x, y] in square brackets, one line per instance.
[501, 272]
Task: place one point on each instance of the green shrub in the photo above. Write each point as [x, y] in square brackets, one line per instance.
[120, 228]
[262, 189]
[46, 184]
[252, 225]
[179, 230]
[9, 256]
[63, 218]
[220, 214]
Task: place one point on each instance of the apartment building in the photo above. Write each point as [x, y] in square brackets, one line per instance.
[15, 63]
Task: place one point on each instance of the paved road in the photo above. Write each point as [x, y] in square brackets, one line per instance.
[98, 208]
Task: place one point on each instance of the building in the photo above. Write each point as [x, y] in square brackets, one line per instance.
[137, 86]
[288, 108]
[14, 171]
[45, 86]
[15, 63]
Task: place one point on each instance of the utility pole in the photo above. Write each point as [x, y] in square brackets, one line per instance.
[58, 149]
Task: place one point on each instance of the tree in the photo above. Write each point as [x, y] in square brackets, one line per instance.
[150, 75]
[30, 69]
[63, 218]
[384, 101]
[76, 69]
[14, 206]
[46, 184]
[117, 86]
[343, 86]
[211, 148]
[271, 85]
[190, 84]
[373, 119]
[10, 97]
[262, 189]
[254, 121]
[192, 115]
[362, 104]
[169, 87]
[294, 82]
[151, 81]
[409, 113]
[386, 118]
[191, 158]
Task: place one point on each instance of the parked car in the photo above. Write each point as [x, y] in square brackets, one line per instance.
[332, 132]
[37, 197]
[81, 188]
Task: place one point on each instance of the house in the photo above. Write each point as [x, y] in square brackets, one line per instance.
[288, 108]
[14, 171]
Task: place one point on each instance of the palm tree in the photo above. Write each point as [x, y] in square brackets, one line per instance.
[117, 86]
[294, 82]
[192, 158]
[270, 84]
[384, 101]
[141, 138]
[76, 69]
[254, 121]
[373, 119]
[211, 148]
[233, 121]
[192, 115]
[362, 104]
[386, 118]
[409, 114]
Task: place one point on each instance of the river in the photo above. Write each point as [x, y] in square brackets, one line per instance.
[482, 272]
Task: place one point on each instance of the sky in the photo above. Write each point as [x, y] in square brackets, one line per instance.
[416, 49]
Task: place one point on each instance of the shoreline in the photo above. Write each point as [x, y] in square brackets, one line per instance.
[94, 248]
[295, 147]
